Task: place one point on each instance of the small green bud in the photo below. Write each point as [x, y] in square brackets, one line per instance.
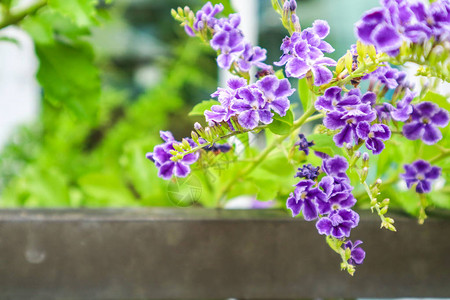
[186, 10]
[364, 173]
[349, 62]
[177, 147]
[349, 148]
[391, 227]
[180, 11]
[385, 202]
[389, 220]
[384, 210]
[185, 144]
[173, 12]
[340, 65]
[373, 202]
[194, 137]
[208, 134]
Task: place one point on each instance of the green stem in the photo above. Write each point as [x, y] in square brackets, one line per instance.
[442, 155]
[14, 18]
[260, 158]
[217, 139]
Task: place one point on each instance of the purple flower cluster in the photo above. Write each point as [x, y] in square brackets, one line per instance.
[398, 21]
[251, 104]
[329, 201]
[386, 75]
[227, 39]
[303, 144]
[352, 114]
[308, 172]
[304, 52]
[162, 158]
[422, 174]
[423, 123]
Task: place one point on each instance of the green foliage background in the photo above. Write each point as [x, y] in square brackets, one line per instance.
[88, 146]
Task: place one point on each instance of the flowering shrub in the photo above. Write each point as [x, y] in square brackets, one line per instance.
[344, 157]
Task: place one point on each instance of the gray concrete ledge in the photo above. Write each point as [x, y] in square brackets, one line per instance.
[192, 253]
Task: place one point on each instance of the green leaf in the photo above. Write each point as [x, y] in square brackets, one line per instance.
[104, 189]
[68, 76]
[81, 12]
[440, 199]
[304, 93]
[199, 109]
[282, 125]
[324, 143]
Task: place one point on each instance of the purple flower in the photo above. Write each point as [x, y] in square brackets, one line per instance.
[421, 173]
[332, 99]
[205, 17]
[303, 52]
[404, 107]
[339, 223]
[346, 120]
[304, 199]
[251, 108]
[162, 158]
[303, 144]
[425, 119]
[308, 172]
[336, 168]
[223, 112]
[336, 197]
[228, 39]
[387, 75]
[357, 254]
[374, 135]
[436, 17]
[276, 92]
[400, 113]
[388, 26]
[252, 56]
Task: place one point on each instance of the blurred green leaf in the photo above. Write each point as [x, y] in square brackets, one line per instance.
[81, 12]
[282, 125]
[304, 93]
[200, 108]
[74, 82]
[324, 143]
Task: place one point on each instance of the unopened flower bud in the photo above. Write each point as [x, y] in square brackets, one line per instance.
[208, 134]
[198, 126]
[364, 173]
[385, 202]
[177, 147]
[185, 144]
[296, 22]
[365, 156]
[194, 137]
[292, 5]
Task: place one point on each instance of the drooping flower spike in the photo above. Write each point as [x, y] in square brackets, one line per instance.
[167, 167]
